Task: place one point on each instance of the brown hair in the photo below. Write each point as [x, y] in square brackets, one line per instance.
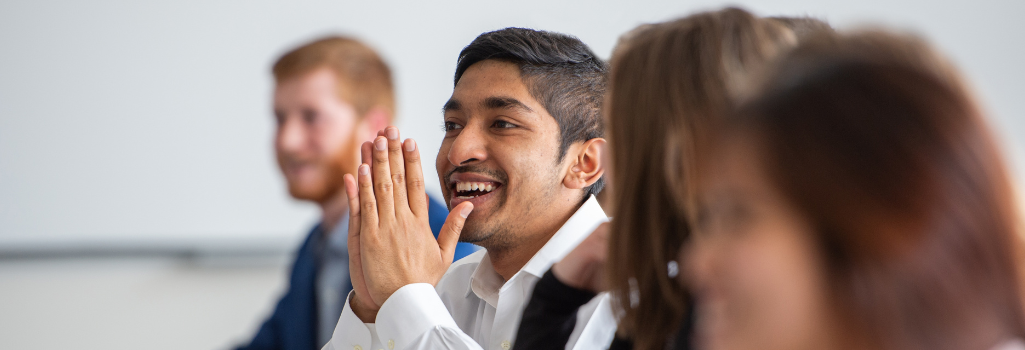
[364, 78]
[907, 193]
[804, 26]
[668, 82]
[879, 46]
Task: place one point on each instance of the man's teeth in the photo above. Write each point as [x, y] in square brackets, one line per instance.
[474, 186]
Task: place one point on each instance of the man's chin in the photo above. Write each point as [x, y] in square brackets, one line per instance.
[477, 229]
[474, 237]
[317, 194]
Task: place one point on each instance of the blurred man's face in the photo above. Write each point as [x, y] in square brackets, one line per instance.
[315, 141]
[501, 153]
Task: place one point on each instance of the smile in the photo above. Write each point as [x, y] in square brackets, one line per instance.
[475, 188]
[468, 190]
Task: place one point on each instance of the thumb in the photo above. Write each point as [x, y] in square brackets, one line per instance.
[449, 235]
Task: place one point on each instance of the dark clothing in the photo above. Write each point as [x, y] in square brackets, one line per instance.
[293, 325]
[550, 316]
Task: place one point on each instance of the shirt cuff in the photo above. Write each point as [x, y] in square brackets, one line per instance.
[409, 312]
[351, 332]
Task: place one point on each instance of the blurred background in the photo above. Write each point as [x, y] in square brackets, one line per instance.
[140, 205]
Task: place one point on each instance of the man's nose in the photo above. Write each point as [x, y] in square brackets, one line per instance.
[290, 135]
[469, 147]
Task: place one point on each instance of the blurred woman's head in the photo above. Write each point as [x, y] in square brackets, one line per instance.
[668, 82]
[858, 202]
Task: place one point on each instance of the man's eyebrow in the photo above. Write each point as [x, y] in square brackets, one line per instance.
[501, 102]
[452, 105]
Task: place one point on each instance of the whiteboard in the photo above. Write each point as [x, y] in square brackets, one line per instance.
[149, 123]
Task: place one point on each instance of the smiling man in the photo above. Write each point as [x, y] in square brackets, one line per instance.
[519, 166]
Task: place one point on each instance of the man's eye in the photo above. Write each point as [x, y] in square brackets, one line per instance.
[309, 117]
[451, 126]
[503, 124]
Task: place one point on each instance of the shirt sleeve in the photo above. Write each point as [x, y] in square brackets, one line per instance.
[350, 332]
[413, 318]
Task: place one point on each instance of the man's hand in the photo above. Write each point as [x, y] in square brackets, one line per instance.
[361, 303]
[390, 239]
[584, 267]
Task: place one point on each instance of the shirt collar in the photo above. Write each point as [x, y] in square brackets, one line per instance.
[342, 227]
[336, 242]
[486, 280]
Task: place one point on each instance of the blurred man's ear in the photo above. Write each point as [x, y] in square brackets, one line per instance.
[374, 120]
[588, 164]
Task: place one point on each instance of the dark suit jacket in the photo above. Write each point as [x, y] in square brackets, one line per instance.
[293, 325]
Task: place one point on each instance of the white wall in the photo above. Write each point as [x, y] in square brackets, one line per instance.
[147, 124]
[136, 303]
[150, 121]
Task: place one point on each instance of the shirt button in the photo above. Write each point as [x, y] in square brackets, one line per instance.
[506, 345]
[391, 344]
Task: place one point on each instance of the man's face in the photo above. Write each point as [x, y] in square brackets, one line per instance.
[499, 137]
[315, 141]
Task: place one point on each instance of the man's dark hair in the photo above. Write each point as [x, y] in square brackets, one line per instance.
[561, 73]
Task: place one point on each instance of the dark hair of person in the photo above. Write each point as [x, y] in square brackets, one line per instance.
[560, 72]
[669, 82]
[909, 199]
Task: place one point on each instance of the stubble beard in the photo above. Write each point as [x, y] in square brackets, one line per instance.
[484, 231]
[497, 233]
[334, 167]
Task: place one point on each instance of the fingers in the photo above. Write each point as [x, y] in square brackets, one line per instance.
[367, 201]
[414, 179]
[449, 235]
[352, 191]
[367, 152]
[384, 189]
[355, 255]
[396, 161]
[364, 152]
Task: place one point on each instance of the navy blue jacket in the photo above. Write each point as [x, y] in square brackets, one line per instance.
[293, 325]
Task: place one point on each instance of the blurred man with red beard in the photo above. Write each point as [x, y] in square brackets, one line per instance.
[331, 95]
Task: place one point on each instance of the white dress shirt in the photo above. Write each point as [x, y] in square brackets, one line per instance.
[472, 308]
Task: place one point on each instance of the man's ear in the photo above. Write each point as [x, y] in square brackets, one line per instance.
[588, 164]
[376, 119]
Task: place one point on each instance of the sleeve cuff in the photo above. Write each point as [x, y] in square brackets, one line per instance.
[350, 331]
[408, 313]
